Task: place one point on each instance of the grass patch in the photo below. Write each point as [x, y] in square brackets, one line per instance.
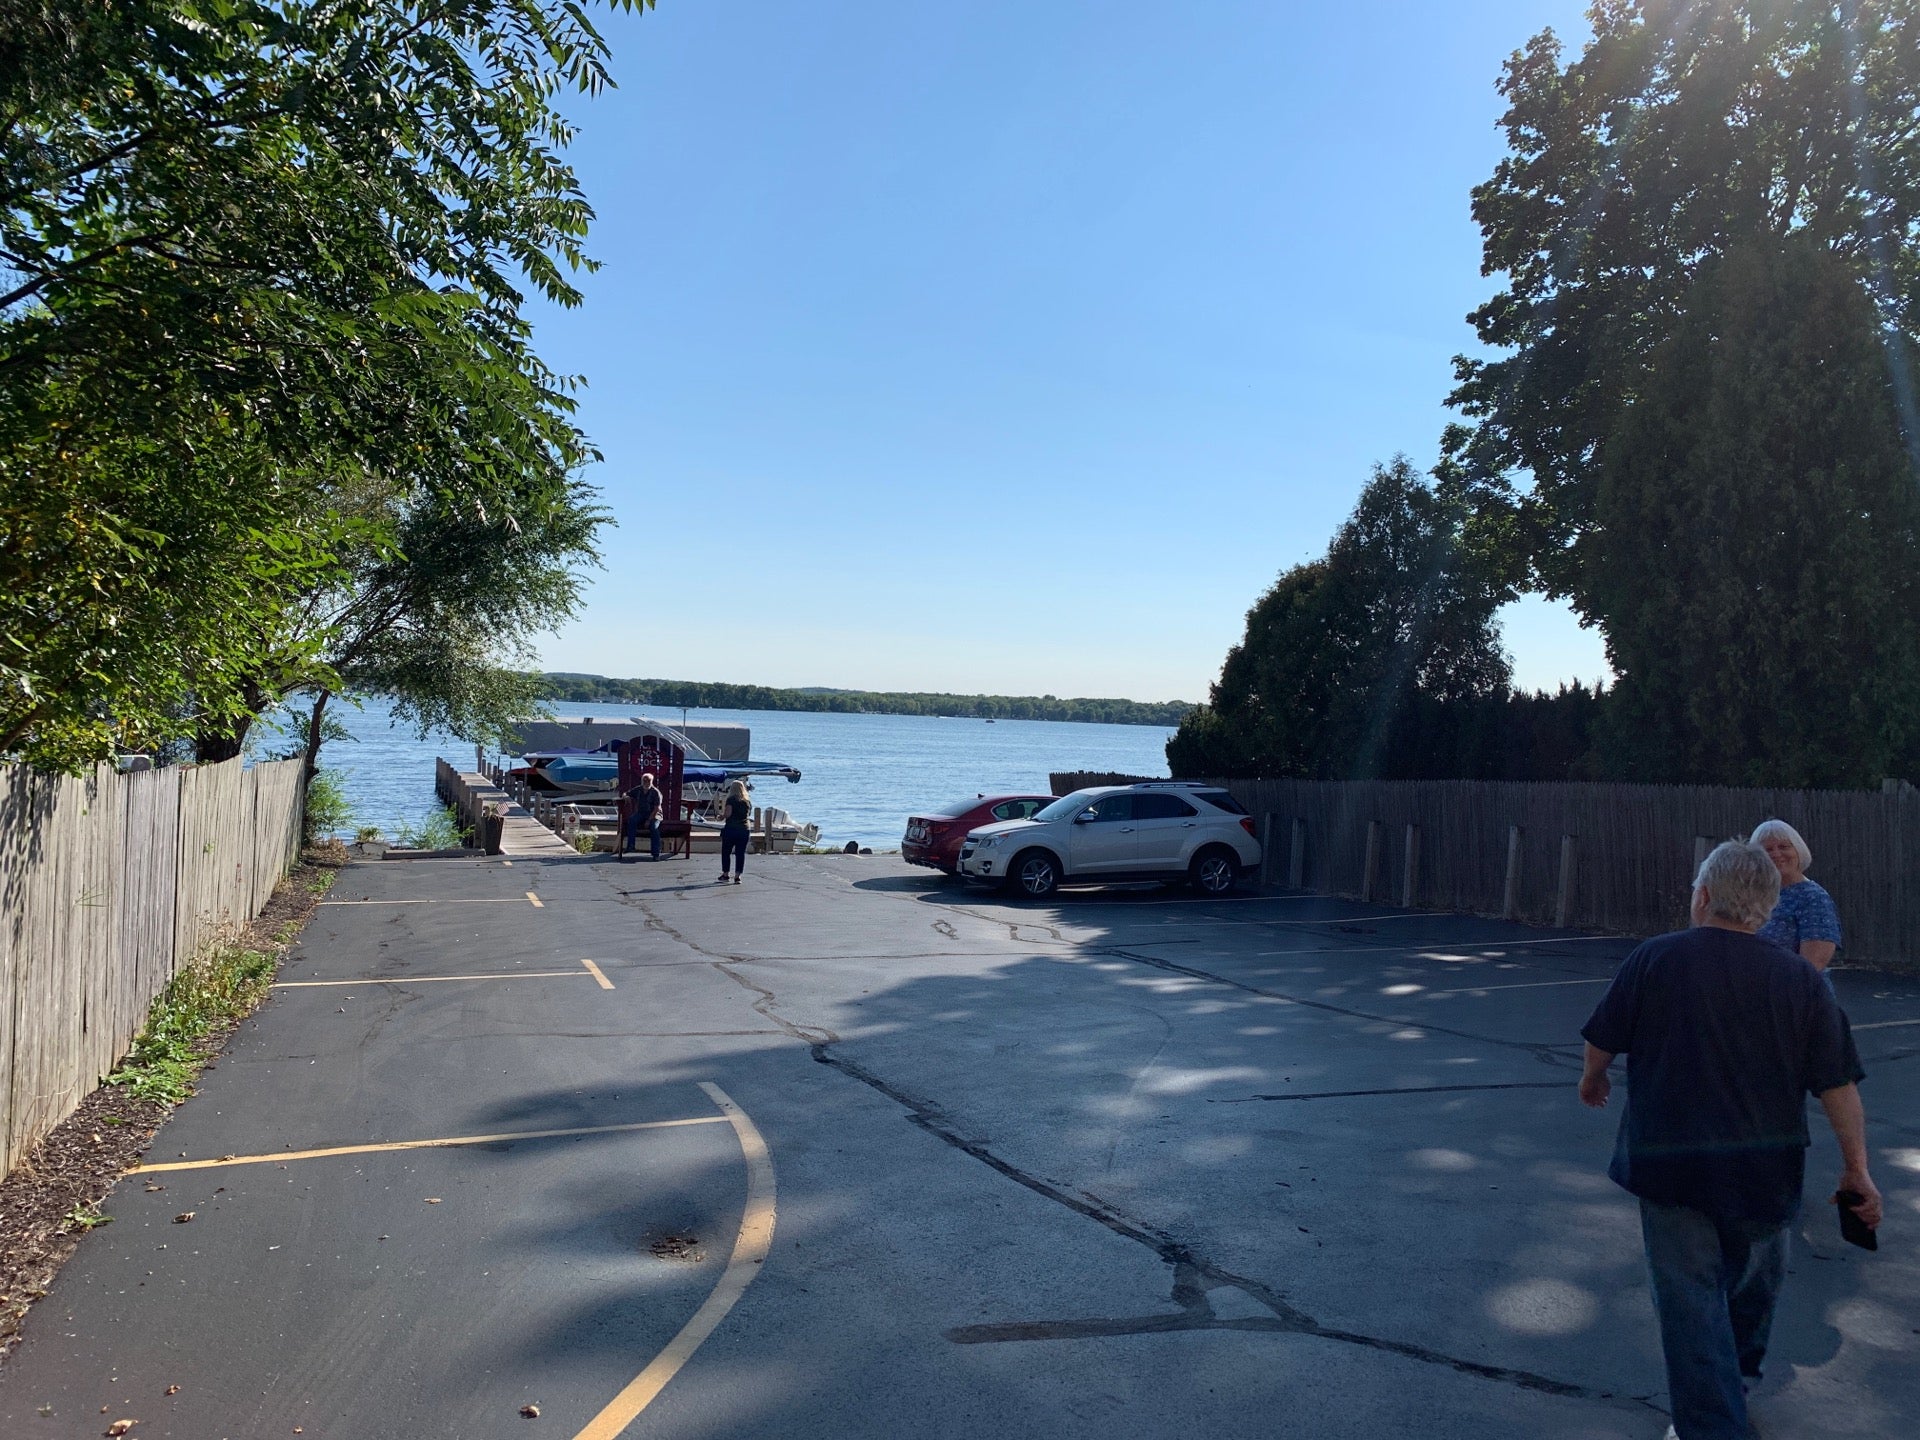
[207, 997]
[85, 1215]
[439, 830]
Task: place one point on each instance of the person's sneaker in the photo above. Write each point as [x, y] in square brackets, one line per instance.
[724, 877]
[1672, 1434]
[736, 879]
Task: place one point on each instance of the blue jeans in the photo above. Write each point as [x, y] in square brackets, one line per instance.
[1715, 1285]
[733, 847]
[631, 836]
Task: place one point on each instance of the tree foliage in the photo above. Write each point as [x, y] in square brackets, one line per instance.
[1759, 583]
[1339, 651]
[258, 257]
[1685, 128]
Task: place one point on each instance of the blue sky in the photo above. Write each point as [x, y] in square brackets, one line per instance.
[1016, 346]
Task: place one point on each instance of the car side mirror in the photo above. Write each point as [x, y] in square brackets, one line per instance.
[1086, 817]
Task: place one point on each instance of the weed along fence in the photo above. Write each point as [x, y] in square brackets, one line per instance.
[1610, 857]
[109, 883]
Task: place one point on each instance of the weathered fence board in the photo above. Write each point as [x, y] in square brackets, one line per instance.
[1626, 852]
[109, 883]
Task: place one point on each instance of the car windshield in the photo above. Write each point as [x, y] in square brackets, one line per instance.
[1066, 806]
[953, 811]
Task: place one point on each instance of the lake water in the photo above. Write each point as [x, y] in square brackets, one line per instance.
[861, 774]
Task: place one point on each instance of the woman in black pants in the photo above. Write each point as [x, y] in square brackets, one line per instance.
[734, 832]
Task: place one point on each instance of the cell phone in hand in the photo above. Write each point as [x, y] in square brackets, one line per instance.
[1853, 1229]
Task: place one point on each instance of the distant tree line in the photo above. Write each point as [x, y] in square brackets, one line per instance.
[1695, 417]
[695, 694]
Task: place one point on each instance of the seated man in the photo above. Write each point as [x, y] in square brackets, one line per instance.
[644, 803]
[1725, 1035]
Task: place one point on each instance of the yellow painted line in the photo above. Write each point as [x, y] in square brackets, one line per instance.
[750, 1248]
[534, 900]
[598, 974]
[431, 979]
[506, 901]
[445, 1144]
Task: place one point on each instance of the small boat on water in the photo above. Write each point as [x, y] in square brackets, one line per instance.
[586, 772]
[585, 769]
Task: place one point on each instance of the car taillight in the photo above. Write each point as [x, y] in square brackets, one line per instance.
[1246, 824]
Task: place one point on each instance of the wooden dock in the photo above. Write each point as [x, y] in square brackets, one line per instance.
[472, 795]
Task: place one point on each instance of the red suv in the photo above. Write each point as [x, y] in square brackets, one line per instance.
[934, 838]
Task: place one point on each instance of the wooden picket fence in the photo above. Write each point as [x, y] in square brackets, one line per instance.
[109, 883]
[1618, 858]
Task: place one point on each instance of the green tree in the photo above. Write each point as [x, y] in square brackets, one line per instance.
[1759, 584]
[440, 615]
[1685, 128]
[1339, 651]
[259, 256]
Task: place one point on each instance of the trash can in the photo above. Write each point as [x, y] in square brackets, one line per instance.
[492, 827]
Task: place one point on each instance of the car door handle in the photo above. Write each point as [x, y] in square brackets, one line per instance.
[1190, 825]
[1126, 829]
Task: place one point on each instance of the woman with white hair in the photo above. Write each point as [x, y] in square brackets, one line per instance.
[1804, 922]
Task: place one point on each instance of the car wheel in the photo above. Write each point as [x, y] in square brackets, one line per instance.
[1035, 875]
[1214, 871]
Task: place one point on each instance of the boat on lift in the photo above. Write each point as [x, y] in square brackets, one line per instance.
[595, 769]
[585, 772]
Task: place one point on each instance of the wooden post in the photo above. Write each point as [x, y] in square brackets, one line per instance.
[1510, 898]
[1269, 822]
[1563, 906]
[1297, 856]
[1410, 872]
[1701, 846]
[766, 830]
[1370, 881]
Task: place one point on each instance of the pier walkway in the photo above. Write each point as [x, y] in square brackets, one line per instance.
[472, 794]
[848, 1152]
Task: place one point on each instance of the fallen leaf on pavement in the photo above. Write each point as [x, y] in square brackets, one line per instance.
[120, 1427]
[183, 1217]
[173, 1389]
[532, 1412]
[433, 1200]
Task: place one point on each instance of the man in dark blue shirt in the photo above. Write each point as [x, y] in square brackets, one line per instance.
[1725, 1035]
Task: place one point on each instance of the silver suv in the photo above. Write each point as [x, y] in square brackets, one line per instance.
[1161, 830]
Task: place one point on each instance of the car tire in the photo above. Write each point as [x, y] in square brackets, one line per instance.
[1034, 875]
[1214, 872]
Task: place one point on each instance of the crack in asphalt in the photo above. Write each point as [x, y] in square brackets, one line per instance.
[724, 963]
[1398, 1090]
[1546, 1054]
[1194, 1275]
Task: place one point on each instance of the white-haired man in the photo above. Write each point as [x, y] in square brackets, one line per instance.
[1725, 1035]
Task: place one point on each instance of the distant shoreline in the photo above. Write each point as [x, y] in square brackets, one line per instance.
[567, 687]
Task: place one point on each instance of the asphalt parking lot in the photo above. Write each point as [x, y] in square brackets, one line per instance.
[848, 1151]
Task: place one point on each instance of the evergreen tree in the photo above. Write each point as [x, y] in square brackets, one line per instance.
[1759, 576]
[1338, 651]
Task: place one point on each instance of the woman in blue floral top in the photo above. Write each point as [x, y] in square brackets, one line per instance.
[1805, 921]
